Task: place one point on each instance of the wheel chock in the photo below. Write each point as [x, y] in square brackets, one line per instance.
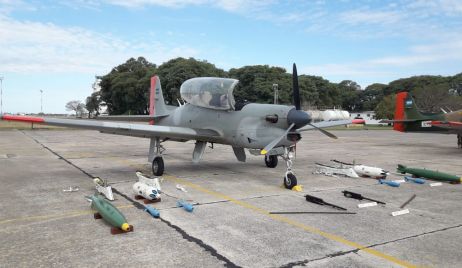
[297, 188]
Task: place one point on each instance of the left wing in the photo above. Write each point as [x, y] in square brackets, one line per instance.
[324, 124]
[136, 130]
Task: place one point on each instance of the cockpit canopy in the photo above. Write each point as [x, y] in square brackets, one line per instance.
[209, 92]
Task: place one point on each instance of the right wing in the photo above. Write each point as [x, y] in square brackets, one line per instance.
[136, 130]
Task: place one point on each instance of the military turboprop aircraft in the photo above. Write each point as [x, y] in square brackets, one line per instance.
[408, 119]
[211, 116]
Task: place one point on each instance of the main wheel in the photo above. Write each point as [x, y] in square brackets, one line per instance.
[158, 166]
[271, 161]
[290, 181]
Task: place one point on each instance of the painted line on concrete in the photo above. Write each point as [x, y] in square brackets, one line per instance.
[56, 216]
[302, 226]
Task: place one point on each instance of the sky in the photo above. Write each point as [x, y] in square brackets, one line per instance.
[59, 46]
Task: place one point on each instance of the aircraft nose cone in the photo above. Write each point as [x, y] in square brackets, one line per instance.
[298, 117]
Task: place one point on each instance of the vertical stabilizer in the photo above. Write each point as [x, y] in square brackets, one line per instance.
[156, 99]
[399, 111]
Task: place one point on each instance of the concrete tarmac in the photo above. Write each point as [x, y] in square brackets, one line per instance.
[43, 226]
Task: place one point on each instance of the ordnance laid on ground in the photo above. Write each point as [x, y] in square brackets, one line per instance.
[110, 214]
[319, 201]
[152, 211]
[408, 201]
[363, 170]
[147, 188]
[429, 174]
[185, 205]
[414, 180]
[389, 183]
[359, 197]
[103, 188]
[334, 171]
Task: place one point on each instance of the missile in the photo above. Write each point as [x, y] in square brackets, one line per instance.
[429, 174]
[110, 214]
[414, 180]
[154, 212]
[187, 206]
[389, 183]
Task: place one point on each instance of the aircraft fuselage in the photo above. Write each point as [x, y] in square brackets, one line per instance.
[246, 128]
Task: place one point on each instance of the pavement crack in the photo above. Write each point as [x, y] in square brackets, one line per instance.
[184, 234]
[342, 253]
[58, 155]
[201, 244]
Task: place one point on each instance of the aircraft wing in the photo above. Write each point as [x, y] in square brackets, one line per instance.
[324, 124]
[450, 125]
[136, 130]
[132, 118]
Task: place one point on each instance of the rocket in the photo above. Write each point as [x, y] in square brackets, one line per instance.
[110, 214]
[429, 174]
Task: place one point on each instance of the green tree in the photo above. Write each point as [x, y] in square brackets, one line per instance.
[386, 108]
[125, 89]
[256, 84]
[92, 104]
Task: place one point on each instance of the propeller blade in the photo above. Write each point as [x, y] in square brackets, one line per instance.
[296, 90]
[276, 141]
[325, 132]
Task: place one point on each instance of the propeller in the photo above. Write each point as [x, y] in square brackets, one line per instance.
[276, 141]
[296, 118]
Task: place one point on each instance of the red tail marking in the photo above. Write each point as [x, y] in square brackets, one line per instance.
[399, 111]
[152, 97]
[29, 119]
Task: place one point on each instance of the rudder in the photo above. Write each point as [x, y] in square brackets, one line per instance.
[156, 99]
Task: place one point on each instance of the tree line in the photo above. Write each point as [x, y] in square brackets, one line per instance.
[125, 89]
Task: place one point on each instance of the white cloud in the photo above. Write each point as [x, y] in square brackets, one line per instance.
[423, 59]
[44, 47]
[356, 17]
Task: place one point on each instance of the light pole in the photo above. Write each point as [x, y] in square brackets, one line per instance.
[41, 101]
[1, 94]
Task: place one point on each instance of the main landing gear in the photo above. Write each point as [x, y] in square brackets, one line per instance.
[459, 140]
[271, 161]
[155, 156]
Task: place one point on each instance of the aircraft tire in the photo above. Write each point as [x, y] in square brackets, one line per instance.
[271, 161]
[158, 166]
[290, 181]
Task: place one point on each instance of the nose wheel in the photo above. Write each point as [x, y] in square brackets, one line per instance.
[289, 179]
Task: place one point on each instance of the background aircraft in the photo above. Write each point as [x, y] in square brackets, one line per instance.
[211, 116]
[409, 119]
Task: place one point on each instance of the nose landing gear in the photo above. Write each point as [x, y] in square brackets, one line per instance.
[289, 179]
